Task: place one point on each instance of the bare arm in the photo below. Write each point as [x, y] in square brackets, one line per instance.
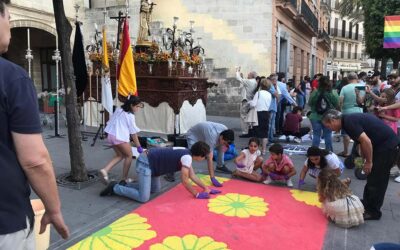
[135, 139]
[341, 101]
[392, 106]
[303, 172]
[185, 173]
[388, 117]
[376, 98]
[239, 158]
[35, 161]
[366, 148]
[188, 174]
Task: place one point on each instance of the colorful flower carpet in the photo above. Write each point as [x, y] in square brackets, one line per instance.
[244, 216]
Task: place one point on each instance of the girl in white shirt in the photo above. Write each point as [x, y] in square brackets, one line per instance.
[318, 159]
[249, 161]
[120, 129]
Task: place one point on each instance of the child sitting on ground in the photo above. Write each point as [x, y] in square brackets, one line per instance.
[278, 166]
[249, 161]
[338, 202]
[293, 127]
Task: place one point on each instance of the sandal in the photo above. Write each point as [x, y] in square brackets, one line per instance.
[342, 154]
[104, 178]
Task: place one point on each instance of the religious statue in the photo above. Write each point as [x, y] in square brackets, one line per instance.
[146, 8]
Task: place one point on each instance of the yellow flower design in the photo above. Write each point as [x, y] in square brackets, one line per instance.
[189, 242]
[310, 198]
[127, 232]
[206, 179]
[238, 205]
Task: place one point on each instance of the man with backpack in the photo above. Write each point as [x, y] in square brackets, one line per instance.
[321, 100]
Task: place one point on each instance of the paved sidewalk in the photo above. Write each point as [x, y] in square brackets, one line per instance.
[85, 211]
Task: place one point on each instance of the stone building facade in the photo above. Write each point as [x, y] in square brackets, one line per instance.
[39, 18]
[266, 36]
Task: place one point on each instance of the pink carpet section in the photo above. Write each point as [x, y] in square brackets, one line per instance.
[288, 223]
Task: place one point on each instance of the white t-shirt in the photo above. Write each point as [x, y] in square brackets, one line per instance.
[332, 161]
[121, 125]
[261, 101]
[248, 161]
[186, 160]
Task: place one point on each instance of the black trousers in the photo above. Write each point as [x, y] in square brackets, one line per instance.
[377, 181]
[303, 131]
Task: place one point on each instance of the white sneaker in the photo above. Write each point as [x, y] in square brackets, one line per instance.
[297, 140]
[289, 182]
[394, 171]
[267, 181]
[397, 179]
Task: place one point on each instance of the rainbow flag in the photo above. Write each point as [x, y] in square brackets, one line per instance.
[391, 39]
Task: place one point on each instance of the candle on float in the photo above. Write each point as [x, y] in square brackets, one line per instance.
[29, 38]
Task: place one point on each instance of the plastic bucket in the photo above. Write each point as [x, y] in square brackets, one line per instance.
[42, 240]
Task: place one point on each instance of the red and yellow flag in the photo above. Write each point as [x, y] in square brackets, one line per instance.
[126, 70]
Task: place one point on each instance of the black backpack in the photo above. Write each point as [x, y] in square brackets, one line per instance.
[323, 104]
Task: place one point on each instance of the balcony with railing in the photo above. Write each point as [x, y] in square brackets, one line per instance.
[326, 6]
[338, 33]
[306, 20]
[324, 40]
[309, 15]
[289, 7]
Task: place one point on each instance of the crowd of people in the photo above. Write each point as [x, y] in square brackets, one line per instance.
[264, 105]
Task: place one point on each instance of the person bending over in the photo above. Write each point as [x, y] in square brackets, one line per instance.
[158, 161]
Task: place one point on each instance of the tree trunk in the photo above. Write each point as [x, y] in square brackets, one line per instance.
[64, 29]
[384, 66]
[376, 66]
[396, 63]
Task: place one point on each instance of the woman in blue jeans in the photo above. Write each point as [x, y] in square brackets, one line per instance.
[158, 161]
[324, 88]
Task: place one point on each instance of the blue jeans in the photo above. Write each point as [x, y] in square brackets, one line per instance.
[319, 128]
[146, 183]
[271, 126]
[300, 100]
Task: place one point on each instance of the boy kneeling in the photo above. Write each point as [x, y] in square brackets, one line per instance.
[154, 163]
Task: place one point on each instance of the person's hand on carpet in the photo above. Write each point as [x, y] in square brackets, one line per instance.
[214, 191]
[215, 182]
[274, 176]
[202, 195]
[140, 149]
[240, 165]
[301, 183]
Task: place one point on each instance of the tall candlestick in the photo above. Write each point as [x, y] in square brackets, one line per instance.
[29, 39]
[56, 41]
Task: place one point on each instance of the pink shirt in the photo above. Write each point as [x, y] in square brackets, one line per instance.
[393, 113]
[286, 161]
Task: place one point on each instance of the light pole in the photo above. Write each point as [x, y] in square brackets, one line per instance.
[57, 58]
[29, 55]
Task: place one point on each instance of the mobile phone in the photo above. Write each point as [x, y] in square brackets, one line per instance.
[360, 88]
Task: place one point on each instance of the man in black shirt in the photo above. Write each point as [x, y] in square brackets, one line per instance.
[379, 147]
[24, 159]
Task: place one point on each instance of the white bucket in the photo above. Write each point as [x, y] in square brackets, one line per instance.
[42, 240]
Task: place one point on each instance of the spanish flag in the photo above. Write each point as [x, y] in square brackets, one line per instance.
[126, 69]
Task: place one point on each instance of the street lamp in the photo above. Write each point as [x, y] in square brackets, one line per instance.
[29, 55]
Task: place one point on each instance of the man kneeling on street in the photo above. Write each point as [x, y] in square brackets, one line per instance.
[158, 161]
